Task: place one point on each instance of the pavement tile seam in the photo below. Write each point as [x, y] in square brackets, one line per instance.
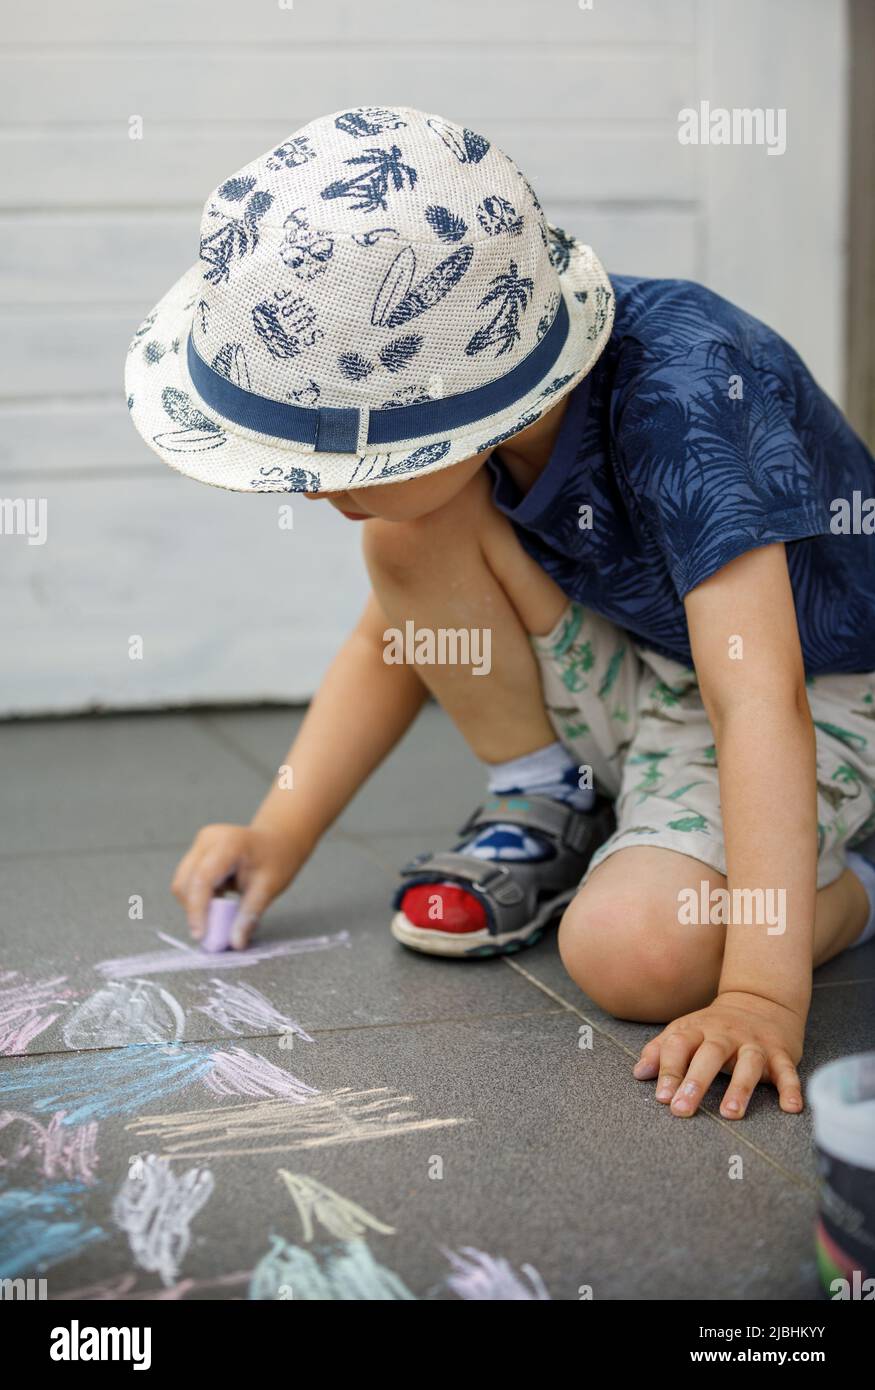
[730, 1126]
[226, 740]
[426, 1021]
[845, 984]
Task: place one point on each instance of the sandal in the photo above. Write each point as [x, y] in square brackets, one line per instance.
[519, 897]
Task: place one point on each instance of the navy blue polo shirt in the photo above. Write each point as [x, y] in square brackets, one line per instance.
[699, 435]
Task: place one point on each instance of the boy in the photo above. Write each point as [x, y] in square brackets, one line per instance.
[629, 486]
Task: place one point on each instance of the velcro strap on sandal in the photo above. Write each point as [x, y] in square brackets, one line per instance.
[561, 823]
[494, 879]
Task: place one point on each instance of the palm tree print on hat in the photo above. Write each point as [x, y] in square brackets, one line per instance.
[286, 326]
[466, 145]
[382, 168]
[368, 120]
[561, 247]
[496, 215]
[399, 300]
[511, 293]
[548, 315]
[237, 236]
[196, 432]
[602, 300]
[291, 153]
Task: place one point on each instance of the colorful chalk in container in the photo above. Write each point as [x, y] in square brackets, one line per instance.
[221, 915]
[842, 1097]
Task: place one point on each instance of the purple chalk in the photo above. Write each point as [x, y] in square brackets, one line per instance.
[220, 919]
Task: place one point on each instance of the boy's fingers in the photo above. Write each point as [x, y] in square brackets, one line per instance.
[674, 1058]
[705, 1065]
[746, 1076]
[180, 878]
[209, 873]
[647, 1065]
[255, 900]
[786, 1079]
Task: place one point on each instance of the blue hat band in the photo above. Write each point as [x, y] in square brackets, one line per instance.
[337, 431]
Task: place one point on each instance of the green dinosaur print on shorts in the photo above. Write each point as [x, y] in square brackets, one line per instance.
[686, 823]
[610, 677]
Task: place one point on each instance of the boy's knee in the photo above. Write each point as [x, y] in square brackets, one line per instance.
[627, 955]
[393, 548]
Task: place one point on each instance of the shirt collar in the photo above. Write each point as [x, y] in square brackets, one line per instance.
[528, 508]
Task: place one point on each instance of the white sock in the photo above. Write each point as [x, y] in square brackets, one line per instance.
[865, 871]
[548, 771]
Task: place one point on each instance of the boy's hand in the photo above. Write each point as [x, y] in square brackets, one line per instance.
[261, 862]
[754, 1038]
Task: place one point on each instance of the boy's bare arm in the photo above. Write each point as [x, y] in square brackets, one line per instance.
[361, 710]
[755, 697]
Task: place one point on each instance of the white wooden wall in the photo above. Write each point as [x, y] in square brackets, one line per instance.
[95, 226]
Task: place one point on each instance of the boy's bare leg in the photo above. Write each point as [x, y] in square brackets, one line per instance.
[622, 943]
[463, 567]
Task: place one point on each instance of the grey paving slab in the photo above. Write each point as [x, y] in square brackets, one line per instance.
[323, 958]
[430, 780]
[854, 966]
[119, 781]
[841, 1021]
[490, 1158]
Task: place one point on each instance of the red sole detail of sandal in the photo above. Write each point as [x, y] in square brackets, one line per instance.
[443, 907]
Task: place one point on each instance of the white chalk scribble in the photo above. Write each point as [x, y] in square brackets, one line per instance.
[478, 1276]
[343, 1219]
[265, 1126]
[185, 957]
[155, 1208]
[122, 1012]
[242, 1009]
[240, 1073]
[349, 1273]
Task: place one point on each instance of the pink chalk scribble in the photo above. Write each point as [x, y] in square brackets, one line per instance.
[57, 1149]
[124, 1289]
[181, 956]
[240, 1073]
[242, 1009]
[26, 1010]
[477, 1276]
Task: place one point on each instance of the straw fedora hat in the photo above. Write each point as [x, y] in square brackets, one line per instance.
[378, 297]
